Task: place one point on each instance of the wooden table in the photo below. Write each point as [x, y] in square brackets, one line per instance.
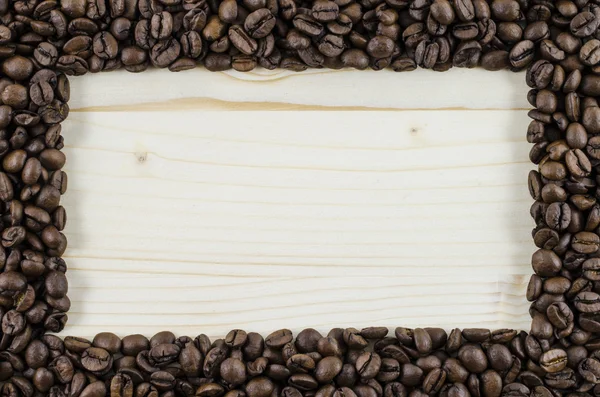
[202, 202]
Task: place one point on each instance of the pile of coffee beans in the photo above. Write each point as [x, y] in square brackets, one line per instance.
[344, 363]
[77, 36]
[557, 42]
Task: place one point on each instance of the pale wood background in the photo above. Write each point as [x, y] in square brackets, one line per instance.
[366, 199]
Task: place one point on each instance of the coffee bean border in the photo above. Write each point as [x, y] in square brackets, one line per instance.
[556, 42]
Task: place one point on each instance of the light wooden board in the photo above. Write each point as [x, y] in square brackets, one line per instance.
[368, 199]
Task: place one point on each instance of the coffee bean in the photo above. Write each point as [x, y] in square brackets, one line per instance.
[467, 55]
[259, 23]
[585, 242]
[259, 387]
[522, 54]
[121, 385]
[499, 357]
[546, 101]
[587, 302]
[473, 358]
[495, 60]
[331, 45]
[546, 263]
[506, 10]
[465, 10]
[17, 68]
[589, 368]
[356, 59]
[308, 25]
[96, 360]
[368, 365]
[554, 360]
[56, 284]
[325, 11]
[161, 25]
[165, 52]
[105, 45]
[584, 24]
[443, 12]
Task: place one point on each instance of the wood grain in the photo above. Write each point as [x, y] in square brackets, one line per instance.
[159, 90]
[213, 217]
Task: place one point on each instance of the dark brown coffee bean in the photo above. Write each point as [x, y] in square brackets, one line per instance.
[442, 11]
[165, 52]
[121, 385]
[96, 360]
[465, 10]
[325, 11]
[584, 24]
[558, 216]
[499, 357]
[554, 360]
[105, 46]
[467, 55]
[587, 302]
[585, 242]
[495, 60]
[380, 47]
[577, 163]
[331, 45]
[259, 23]
[353, 339]
[473, 358]
[259, 387]
[589, 368]
[307, 25]
[546, 263]
[228, 11]
[242, 41]
[368, 365]
[357, 59]
[506, 10]
[522, 54]
[434, 380]
[17, 68]
[546, 101]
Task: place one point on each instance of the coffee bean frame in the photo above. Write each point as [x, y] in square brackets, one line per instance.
[554, 42]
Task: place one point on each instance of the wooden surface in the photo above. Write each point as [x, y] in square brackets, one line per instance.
[367, 199]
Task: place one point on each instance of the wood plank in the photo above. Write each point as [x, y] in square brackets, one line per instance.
[161, 90]
[204, 220]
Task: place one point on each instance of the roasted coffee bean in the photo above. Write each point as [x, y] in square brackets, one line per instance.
[553, 360]
[473, 358]
[165, 52]
[589, 368]
[467, 55]
[584, 24]
[96, 360]
[495, 60]
[558, 216]
[522, 54]
[325, 11]
[259, 23]
[242, 41]
[443, 12]
[105, 46]
[368, 365]
[121, 385]
[161, 25]
[585, 242]
[465, 10]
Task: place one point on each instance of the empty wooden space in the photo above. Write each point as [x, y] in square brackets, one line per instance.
[202, 202]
